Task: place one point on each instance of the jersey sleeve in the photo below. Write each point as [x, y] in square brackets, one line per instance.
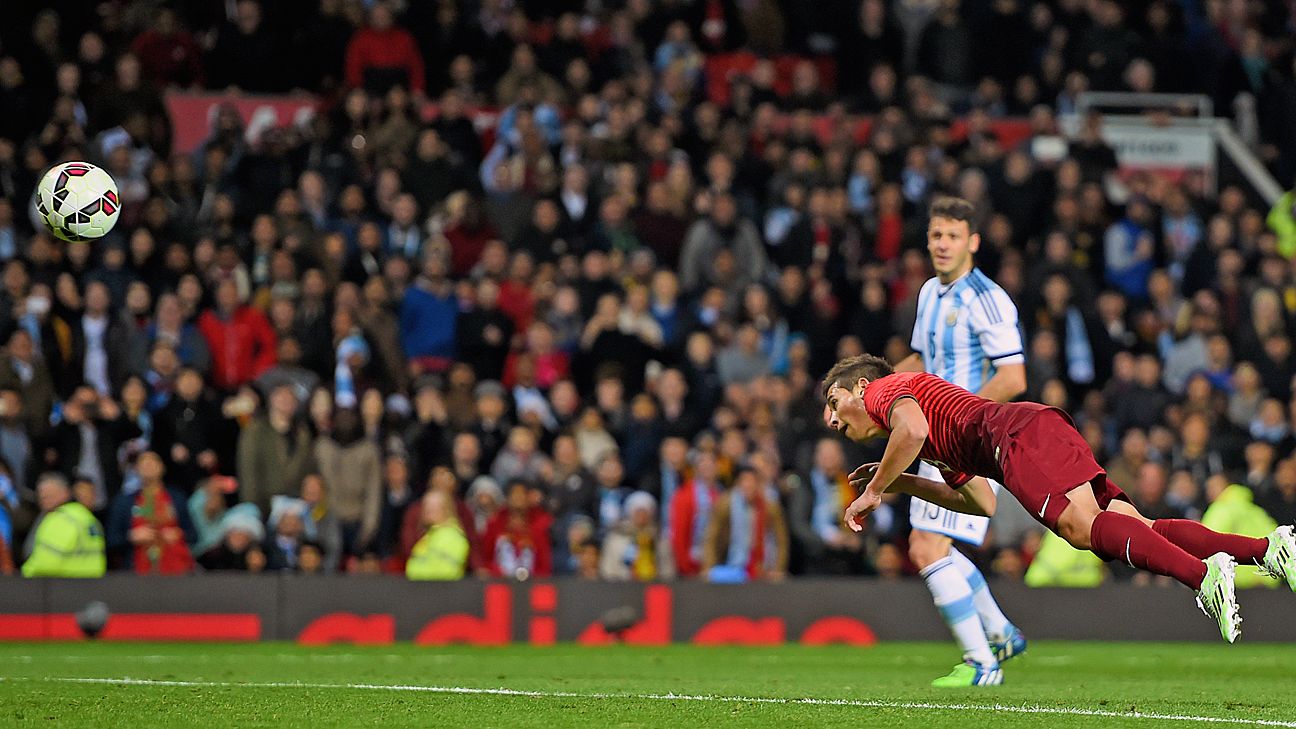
[993, 319]
[918, 339]
[956, 479]
[881, 395]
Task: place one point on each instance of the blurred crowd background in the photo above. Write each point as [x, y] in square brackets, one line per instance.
[579, 334]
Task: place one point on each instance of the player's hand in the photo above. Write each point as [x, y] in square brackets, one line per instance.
[860, 508]
[860, 477]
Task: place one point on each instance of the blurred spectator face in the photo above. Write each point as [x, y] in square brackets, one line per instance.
[671, 387]
[1151, 487]
[188, 385]
[51, 493]
[490, 407]
[566, 454]
[290, 524]
[435, 508]
[951, 244]
[519, 497]
[1148, 371]
[443, 480]
[466, 448]
[699, 348]
[889, 562]
[149, 467]
[610, 471]
[312, 489]
[723, 212]
[248, 16]
[380, 17]
[564, 398]
[283, 402]
[1134, 445]
[522, 441]
[705, 467]
[227, 296]
[310, 560]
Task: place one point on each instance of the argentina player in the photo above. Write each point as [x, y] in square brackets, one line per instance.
[966, 332]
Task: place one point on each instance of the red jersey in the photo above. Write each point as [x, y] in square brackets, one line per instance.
[964, 431]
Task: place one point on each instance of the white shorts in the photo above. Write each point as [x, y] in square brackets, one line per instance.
[956, 525]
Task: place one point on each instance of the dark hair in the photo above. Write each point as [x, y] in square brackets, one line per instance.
[953, 208]
[847, 371]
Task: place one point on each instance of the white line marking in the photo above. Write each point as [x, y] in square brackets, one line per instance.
[858, 703]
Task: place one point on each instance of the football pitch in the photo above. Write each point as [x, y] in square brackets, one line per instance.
[1057, 684]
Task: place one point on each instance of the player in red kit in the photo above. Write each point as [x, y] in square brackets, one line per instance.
[1038, 455]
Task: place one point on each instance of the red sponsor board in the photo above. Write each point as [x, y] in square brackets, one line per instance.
[382, 610]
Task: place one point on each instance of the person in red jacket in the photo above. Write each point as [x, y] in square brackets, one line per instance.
[379, 55]
[517, 538]
[240, 338]
[168, 54]
[156, 535]
[690, 514]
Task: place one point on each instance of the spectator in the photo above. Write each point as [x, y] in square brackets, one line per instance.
[427, 319]
[168, 54]
[151, 526]
[274, 451]
[23, 370]
[320, 523]
[631, 549]
[240, 546]
[239, 337]
[814, 514]
[690, 515]
[383, 55]
[442, 552]
[183, 430]
[747, 537]
[722, 250]
[247, 55]
[1232, 508]
[516, 539]
[67, 540]
[85, 443]
[350, 466]
[286, 522]
[207, 508]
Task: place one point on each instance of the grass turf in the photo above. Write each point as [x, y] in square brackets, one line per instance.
[1242, 684]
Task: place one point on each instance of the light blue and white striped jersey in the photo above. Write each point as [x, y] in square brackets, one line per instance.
[965, 330]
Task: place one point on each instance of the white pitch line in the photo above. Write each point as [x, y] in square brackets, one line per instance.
[858, 703]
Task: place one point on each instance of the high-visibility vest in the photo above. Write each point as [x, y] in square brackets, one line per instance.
[440, 555]
[69, 543]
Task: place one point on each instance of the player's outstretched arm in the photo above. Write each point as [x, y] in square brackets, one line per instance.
[975, 497]
[912, 363]
[909, 429]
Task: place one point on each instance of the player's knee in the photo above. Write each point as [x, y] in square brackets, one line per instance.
[926, 548]
[1075, 527]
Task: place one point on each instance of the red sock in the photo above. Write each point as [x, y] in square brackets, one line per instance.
[1200, 542]
[1120, 536]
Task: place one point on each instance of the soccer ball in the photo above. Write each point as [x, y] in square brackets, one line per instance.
[78, 201]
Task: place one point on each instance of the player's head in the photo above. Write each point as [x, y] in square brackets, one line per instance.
[843, 389]
[952, 237]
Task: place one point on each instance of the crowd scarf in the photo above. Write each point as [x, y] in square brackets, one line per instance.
[746, 534]
[1079, 353]
[644, 567]
[703, 496]
[831, 495]
[156, 510]
[514, 550]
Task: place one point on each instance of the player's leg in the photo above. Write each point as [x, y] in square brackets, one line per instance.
[1116, 535]
[1274, 554]
[952, 594]
[1006, 641]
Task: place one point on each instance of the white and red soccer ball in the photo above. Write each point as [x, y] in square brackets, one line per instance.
[78, 201]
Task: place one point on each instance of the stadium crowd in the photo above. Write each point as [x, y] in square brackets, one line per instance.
[583, 338]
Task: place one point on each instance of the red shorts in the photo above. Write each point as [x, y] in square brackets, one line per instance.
[1043, 456]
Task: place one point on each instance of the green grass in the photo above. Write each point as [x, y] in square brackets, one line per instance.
[1242, 683]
